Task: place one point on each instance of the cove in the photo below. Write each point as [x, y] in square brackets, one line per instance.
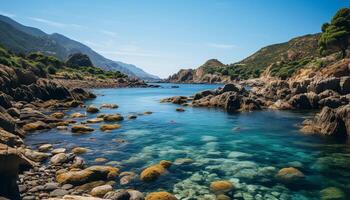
[246, 148]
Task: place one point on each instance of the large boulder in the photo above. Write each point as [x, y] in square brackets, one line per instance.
[327, 122]
[12, 161]
[345, 85]
[6, 121]
[9, 138]
[319, 86]
[5, 100]
[233, 103]
[304, 101]
[93, 173]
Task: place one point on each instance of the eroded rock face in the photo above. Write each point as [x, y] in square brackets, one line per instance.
[12, 161]
[25, 85]
[333, 122]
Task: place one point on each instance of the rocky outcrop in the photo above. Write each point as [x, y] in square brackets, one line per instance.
[200, 75]
[25, 85]
[333, 122]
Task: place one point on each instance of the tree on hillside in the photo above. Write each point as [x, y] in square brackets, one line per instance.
[336, 34]
[78, 60]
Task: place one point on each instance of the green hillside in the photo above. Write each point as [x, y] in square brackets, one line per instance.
[43, 66]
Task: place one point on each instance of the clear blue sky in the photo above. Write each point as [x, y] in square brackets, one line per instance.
[164, 36]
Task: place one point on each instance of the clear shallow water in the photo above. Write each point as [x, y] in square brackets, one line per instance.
[247, 148]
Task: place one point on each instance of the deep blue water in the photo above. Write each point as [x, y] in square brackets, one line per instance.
[245, 148]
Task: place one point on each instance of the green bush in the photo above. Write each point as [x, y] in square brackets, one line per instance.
[51, 70]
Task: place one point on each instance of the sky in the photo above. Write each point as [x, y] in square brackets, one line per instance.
[163, 36]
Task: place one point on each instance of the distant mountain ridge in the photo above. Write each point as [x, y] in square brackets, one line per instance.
[20, 38]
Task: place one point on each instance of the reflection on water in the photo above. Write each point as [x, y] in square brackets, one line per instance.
[247, 149]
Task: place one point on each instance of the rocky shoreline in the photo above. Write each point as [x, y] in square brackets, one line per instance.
[29, 103]
[327, 89]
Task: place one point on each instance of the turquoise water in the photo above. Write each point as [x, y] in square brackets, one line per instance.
[247, 148]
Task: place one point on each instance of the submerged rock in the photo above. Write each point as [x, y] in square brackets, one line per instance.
[160, 196]
[289, 174]
[221, 186]
[180, 110]
[332, 193]
[153, 172]
[79, 150]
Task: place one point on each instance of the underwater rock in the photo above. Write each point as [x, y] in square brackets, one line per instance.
[180, 109]
[289, 174]
[160, 196]
[100, 160]
[332, 193]
[153, 172]
[132, 117]
[221, 186]
[79, 150]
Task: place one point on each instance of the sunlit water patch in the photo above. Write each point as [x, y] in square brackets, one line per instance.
[205, 145]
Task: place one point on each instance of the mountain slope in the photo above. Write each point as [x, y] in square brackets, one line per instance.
[20, 38]
[279, 60]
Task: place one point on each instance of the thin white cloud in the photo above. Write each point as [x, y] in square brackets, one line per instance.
[7, 14]
[54, 23]
[221, 46]
[109, 33]
[129, 53]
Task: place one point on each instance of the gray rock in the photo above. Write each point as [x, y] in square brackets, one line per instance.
[136, 195]
[50, 186]
[58, 193]
[117, 195]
